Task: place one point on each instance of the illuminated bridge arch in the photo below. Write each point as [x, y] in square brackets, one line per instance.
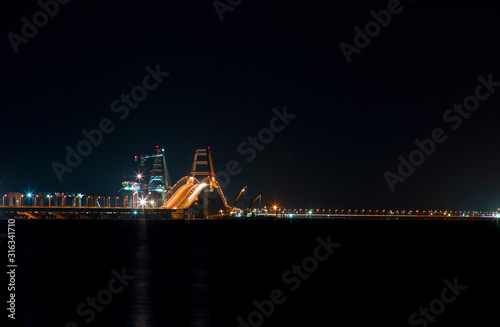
[187, 189]
[187, 193]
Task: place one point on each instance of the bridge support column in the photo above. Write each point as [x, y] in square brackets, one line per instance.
[178, 214]
[209, 199]
[205, 203]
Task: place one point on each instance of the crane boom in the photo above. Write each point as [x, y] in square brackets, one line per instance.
[253, 200]
[234, 204]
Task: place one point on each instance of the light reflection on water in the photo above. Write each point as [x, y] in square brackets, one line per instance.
[199, 281]
[209, 273]
[193, 307]
[199, 288]
[140, 306]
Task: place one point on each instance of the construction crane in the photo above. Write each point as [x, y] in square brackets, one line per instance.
[237, 198]
[247, 209]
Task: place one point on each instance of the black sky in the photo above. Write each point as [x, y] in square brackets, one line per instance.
[353, 119]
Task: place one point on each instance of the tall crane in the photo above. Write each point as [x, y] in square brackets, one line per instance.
[237, 198]
[247, 209]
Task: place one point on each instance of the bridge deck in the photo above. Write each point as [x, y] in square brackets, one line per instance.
[81, 212]
[28, 212]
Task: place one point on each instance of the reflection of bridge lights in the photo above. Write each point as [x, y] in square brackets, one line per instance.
[135, 212]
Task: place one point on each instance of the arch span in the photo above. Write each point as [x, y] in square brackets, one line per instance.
[187, 193]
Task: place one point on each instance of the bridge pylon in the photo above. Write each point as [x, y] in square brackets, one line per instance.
[186, 191]
[203, 158]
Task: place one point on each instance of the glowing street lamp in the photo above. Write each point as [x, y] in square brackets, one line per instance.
[139, 191]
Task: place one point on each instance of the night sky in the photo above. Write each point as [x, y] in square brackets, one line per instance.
[352, 120]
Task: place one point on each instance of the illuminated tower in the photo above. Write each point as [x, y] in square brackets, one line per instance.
[159, 180]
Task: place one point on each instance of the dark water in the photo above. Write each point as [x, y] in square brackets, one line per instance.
[208, 273]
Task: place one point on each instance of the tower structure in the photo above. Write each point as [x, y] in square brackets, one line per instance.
[207, 167]
[159, 179]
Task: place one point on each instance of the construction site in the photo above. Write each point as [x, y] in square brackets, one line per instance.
[150, 195]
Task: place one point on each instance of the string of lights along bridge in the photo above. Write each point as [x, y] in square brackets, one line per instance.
[196, 195]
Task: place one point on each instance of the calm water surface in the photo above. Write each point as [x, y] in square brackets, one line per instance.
[209, 273]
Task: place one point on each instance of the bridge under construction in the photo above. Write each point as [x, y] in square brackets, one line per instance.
[198, 194]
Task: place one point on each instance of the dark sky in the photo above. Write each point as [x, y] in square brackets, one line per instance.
[352, 120]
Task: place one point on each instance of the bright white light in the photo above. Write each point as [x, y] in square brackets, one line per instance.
[29, 195]
[142, 202]
[197, 190]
